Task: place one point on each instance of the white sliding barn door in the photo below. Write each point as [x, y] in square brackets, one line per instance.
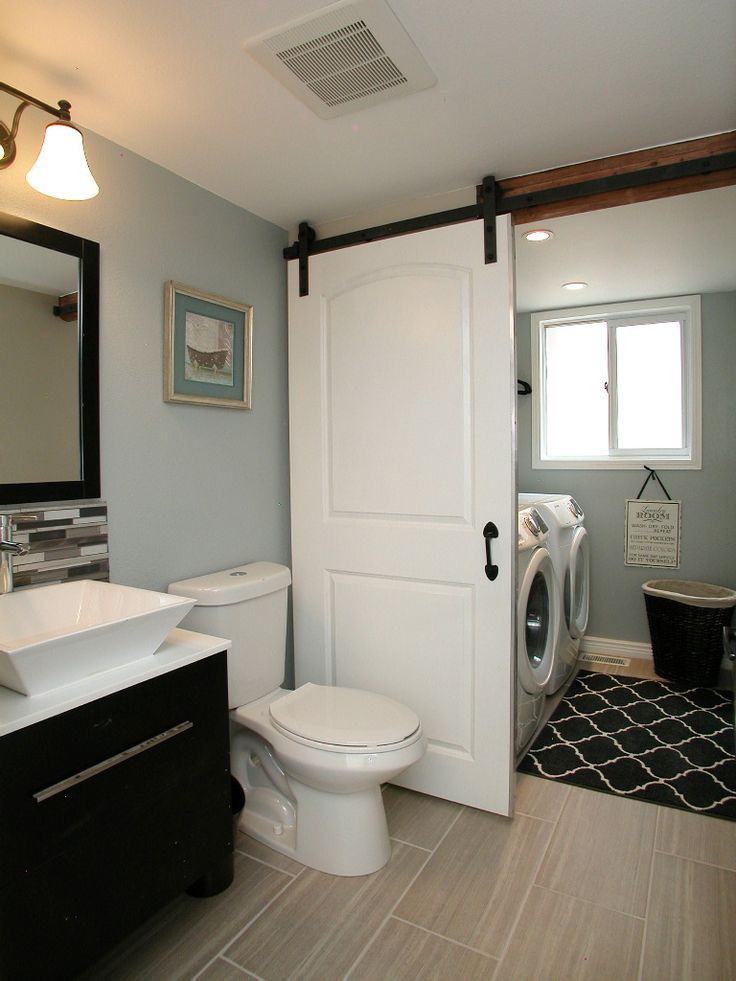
[402, 434]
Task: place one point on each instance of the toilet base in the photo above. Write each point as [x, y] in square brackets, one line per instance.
[348, 835]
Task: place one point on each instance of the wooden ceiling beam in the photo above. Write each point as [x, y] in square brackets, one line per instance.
[621, 164]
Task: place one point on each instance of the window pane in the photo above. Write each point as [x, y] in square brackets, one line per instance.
[577, 403]
[649, 375]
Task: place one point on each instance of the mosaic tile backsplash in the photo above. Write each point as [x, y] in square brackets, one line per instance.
[67, 541]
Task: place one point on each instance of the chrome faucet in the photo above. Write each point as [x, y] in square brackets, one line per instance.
[9, 548]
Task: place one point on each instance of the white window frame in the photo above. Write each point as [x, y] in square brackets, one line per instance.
[684, 308]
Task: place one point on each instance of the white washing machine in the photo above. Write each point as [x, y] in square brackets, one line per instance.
[569, 546]
[538, 612]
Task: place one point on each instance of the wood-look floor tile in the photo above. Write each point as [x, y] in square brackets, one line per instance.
[180, 939]
[403, 952]
[255, 849]
[417, 818]
[602, 851]
[691, 922]
[540, 798]
[321, 923]
[564, 937]
[473, 885]
[643, 667]
[640, 667]
[697, 836]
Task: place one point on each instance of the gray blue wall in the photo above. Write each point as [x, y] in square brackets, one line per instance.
[190, 489]
[708, 495]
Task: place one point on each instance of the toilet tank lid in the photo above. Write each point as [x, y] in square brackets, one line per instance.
[244, 582]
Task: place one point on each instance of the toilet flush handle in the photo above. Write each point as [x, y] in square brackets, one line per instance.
[490, 531]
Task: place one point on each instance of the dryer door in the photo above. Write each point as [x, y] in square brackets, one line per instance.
[537, 623]
[577, 584]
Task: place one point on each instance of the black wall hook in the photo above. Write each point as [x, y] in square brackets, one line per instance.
[652, 475]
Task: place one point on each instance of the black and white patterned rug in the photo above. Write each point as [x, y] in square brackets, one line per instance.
[663, 742]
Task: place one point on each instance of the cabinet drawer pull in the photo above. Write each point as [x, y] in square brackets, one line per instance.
[92, 771]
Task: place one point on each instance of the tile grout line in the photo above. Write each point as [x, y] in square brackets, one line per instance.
[247, 974]
[414, 878]
[533, 881]
[589, 902]
[697, 861]
[269, 865]
[567, 787]
[251, 921]
[241, 970]
[534, 817]
[649, 895]
[403, 841]
[441, 936]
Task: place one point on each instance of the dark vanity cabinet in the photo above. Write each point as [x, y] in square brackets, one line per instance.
[107, 812]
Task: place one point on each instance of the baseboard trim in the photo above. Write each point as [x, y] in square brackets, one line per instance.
[629, 648]
[621, 648]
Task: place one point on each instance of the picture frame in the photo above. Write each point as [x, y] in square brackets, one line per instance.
[652, 533]
[208, 341]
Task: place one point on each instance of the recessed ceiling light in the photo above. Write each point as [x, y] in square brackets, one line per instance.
[574, 286]
[538, 235]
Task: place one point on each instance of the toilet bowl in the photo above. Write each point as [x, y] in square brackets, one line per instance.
[323, 805]
[312, 761]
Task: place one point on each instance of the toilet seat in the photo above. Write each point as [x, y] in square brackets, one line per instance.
[343, 718]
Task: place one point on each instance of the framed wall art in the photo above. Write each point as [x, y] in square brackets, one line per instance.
[207, 348]
[653, 530]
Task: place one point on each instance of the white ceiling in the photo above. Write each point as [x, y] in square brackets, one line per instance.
[522, 86]
[669, 247]
[31, 267]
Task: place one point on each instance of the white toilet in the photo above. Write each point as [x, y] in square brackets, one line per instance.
[311, 761]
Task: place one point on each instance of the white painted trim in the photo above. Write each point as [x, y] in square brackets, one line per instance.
[621, 648]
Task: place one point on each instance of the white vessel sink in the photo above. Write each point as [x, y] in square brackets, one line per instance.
[55, 635]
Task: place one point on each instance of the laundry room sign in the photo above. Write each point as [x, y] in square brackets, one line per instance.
[653, 533]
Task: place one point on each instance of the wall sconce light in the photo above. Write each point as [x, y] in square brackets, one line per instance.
[61, 170]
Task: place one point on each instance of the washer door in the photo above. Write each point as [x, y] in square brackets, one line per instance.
[537, 622]
[577, 583]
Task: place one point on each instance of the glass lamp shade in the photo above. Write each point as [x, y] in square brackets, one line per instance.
[61, 170]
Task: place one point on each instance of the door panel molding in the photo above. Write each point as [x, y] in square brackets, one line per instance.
[375, 356]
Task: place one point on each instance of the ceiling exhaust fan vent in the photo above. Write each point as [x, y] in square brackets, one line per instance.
[349, 56]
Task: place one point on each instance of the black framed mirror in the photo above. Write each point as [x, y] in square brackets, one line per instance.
[49, 364]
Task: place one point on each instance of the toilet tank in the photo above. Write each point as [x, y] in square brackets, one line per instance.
[247, 605]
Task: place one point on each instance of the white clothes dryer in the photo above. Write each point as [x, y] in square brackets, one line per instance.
[569, 547]
[538, 612]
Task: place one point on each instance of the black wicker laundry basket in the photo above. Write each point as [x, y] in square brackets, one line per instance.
[686, 621]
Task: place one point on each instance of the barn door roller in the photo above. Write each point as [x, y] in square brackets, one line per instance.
[484, 208]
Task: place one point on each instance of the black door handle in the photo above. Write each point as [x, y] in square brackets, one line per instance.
[490, 531]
